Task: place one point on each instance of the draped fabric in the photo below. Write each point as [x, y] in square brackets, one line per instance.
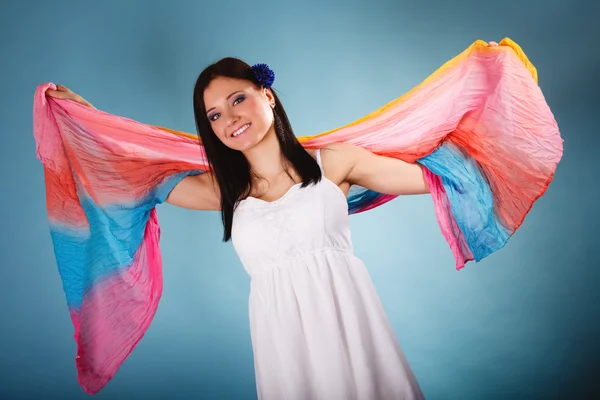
[479, 126]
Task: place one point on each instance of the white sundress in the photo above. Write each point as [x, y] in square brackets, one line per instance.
[318, 328]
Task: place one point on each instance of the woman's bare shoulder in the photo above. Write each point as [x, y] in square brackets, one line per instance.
[334, 159]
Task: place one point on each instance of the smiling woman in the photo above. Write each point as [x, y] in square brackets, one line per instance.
[318, 328]
[266, 158]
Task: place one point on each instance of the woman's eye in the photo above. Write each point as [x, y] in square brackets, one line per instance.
[215, 116]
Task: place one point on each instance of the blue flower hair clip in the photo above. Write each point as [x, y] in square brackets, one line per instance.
[264, 74]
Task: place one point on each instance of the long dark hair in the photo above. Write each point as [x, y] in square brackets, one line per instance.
[230, 167]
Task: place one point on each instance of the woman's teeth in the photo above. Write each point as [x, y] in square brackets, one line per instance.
[241, 130]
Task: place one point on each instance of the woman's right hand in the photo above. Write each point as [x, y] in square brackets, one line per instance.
[62, 92]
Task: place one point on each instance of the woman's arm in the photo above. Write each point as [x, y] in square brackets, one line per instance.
[198, 192]
[358, 166]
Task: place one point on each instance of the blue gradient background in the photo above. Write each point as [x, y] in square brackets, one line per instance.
[522, 324]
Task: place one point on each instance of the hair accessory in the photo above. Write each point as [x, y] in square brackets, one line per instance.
[264, 74]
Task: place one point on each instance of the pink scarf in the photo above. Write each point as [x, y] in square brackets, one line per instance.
[479, 125]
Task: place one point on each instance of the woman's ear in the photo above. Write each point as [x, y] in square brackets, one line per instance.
[270, 96]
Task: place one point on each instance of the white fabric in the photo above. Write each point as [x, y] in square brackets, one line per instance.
[318, 328]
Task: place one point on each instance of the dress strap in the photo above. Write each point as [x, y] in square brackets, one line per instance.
[318, 153]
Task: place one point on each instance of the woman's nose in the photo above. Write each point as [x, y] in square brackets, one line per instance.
[232, 119]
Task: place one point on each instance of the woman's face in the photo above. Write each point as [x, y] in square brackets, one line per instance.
[240, 113]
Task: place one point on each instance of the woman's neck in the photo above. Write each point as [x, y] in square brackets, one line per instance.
[265, 158]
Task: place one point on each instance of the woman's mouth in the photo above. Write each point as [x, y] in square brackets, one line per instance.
[240, 131]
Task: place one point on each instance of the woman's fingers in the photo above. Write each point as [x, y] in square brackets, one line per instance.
[62, 88]
[58, 94]
[63, 92]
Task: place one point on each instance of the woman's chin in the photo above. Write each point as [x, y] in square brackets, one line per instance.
[241, 144]
[246, 141]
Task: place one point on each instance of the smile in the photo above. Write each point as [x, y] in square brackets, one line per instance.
[240, 131]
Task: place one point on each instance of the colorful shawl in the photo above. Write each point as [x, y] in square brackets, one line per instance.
[479, 126]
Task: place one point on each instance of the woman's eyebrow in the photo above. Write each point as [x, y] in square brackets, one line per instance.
[225, 99]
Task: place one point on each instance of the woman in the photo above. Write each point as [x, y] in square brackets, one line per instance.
[479, 125]
[318, 328]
